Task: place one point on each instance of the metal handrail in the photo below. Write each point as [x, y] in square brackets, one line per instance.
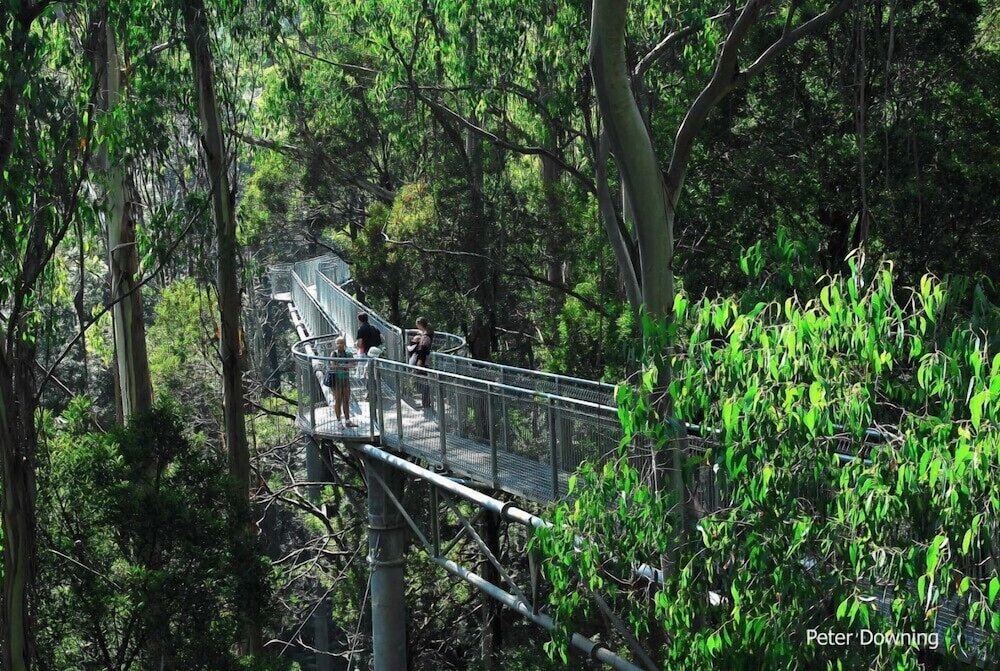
[499, 386]
[444, 343]
[341, 304]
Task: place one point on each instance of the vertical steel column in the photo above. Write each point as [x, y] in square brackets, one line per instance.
[442, 421]
[435, 521]
[316, 472]
[386, 542]
[552, 448]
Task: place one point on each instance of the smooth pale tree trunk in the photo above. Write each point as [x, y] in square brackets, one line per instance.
[216, 159]
[554, 227]
[650, 201]
[555, 237]
[135, 388]
[213, 144]
[480, 334]
[653, 217]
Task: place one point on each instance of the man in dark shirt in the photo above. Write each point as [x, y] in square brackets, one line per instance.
[368, 336]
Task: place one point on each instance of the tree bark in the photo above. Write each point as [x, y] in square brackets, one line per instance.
[17, 434]
[17, 390]
[650, 203]
[213, 144]
[478, 233]
[653, 219]
[135, 388]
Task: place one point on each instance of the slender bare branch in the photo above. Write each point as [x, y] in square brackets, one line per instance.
[719, 85]
[810, 27]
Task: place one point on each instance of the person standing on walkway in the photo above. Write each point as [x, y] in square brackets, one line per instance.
[339, 380]
[420, 351]
[368, 336]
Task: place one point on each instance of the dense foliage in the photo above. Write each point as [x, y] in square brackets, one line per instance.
[157, 156]
[817, 524]
[140, 534]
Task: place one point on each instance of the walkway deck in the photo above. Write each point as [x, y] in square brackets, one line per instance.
[502, 428]
[515, 474]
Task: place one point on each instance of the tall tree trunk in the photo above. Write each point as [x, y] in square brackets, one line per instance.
[650, 202]
[653, 217]
[135, 388]
[17, 442]
[478, 230]
[213, 144]
[557, 270]
[555, 233]
[17, 388]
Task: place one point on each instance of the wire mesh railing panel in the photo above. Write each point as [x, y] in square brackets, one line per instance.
[443, 342]
[524, 442]
[528, 455]
[466, 405]
[344, 310]
[280, 276]
[307, 270]
[335, 391]
[415, 406]
[584, 434]
[388, 403]
[524, 378]
[317, 322]
[335, 268]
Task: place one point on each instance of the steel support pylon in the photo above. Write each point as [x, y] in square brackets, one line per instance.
[386, 544]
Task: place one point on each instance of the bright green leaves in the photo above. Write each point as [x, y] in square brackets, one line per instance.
[776, 380]
[934, 552]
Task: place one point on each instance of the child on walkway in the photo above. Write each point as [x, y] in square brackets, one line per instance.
[340, 376]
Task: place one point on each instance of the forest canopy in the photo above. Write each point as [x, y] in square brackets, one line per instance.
[775, 220]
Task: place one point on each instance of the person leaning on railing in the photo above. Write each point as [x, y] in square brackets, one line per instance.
[419, 350]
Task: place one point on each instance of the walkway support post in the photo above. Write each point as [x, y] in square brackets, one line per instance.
[316, 472]
[386, 543]
[492, 631]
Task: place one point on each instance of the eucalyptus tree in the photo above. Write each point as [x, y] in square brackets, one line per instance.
[651, 196]
[134, 389]
[217, 157]
[45, 142]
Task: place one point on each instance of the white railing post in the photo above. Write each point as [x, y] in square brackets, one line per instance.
[399, 408]
[494, 456]
[552, 448]
[312, 396]
[377, 395]
[372, 410]
[442, 420]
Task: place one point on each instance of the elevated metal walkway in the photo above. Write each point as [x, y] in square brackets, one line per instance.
[511, 429]
[503, 428]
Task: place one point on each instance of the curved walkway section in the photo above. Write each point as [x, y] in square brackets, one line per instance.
[512, 429]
